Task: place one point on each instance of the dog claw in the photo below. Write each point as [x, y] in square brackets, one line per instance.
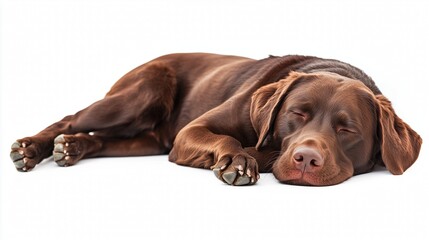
[229, 177]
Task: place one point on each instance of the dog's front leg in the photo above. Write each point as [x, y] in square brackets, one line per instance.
[197, 146]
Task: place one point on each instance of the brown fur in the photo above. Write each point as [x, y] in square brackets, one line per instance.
[310, 121]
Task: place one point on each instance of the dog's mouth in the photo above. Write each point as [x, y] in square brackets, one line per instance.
[308, 179]
[329, 175]
[297, 177]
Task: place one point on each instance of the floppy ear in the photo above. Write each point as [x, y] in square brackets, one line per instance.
[266, 103]
[399, 144]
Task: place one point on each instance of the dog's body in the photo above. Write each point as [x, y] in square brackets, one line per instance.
[306, 119]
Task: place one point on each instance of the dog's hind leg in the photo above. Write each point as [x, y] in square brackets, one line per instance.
[69, 149]
[138, 102]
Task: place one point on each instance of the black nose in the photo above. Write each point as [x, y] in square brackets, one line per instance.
[307, 159]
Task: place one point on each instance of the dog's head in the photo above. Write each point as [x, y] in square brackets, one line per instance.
[330, 128]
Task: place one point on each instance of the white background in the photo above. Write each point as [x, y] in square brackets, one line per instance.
[59, 56]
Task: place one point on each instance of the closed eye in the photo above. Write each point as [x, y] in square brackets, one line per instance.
[346, 130]
[298, 114]
[344, 124]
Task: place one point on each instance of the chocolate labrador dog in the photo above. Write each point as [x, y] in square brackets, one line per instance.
[310, 121]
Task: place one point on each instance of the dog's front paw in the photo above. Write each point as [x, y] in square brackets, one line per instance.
[238, 170]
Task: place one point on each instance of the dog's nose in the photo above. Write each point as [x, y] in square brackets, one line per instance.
[307, 159]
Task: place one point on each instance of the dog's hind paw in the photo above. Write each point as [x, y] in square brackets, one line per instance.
[67, 150]
[26, 154]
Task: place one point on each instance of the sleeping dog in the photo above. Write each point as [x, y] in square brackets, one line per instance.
[310, 121]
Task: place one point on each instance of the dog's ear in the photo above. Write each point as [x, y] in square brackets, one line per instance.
[399, 144]
[266, 103]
